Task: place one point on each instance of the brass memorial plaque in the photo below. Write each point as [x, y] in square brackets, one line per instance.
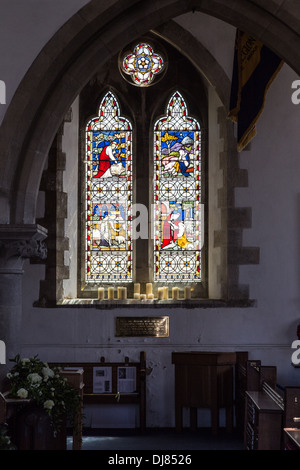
[142, 326]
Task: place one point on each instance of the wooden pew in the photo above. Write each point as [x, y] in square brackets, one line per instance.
[249, 376]
[264, 409]
[291, 425]
[29, 426]
[241, 384]
[258, 375]
[104, 383]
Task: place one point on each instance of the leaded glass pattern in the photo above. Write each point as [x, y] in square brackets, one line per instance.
[142, 64]
[108, 170]
[177, 195]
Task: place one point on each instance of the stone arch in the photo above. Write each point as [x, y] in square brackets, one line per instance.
[67, 62]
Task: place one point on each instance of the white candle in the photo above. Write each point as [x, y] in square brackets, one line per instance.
[100, 293]
[137, 288]
[166, 292]
[136, 296]
[122, 293]
[110, 293]
[150, 296]
[187, 292]
[148, 288]
[160, 293]
[175, 293]
[142, 296]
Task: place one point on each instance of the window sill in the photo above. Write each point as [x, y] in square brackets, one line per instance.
[149, 303]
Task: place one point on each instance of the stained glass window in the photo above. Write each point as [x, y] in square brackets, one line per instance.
[177, 191]
[108, 164]
[142, 64]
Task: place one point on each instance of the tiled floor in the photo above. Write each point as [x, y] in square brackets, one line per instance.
[160, 439]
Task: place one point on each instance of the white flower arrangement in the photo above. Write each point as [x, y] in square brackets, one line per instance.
[30, 378]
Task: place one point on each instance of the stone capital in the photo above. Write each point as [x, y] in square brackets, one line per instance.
[18, 242]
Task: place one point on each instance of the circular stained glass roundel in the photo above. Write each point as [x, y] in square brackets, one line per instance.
[142, 64]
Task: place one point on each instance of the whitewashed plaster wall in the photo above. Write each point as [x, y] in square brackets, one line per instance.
[25, 28]
[273, 193]
[267, 330]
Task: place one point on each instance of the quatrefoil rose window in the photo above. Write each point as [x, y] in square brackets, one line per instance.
[143, 64]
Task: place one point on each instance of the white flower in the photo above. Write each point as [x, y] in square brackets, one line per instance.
[25, 360]
[48, 404]
[9, 375]
[47, 372]
[22, 393]
[34, 377]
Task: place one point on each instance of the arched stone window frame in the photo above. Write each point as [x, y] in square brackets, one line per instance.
[226, 239]
[133, 105]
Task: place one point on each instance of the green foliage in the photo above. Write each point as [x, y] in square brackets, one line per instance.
[35, 380]
[5, 442]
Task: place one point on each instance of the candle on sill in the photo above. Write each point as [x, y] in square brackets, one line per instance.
[136, 296]
[100, 293]
[175, 293]
[150, 296]
[119, 292]
[122, 293]
[142, 296]
[137, 288]
[166, 292]
[160, 293]
[148, 288]
[111, 293]
[187, 292]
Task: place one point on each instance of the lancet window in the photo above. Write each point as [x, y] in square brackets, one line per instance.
[177, 195]
[108, 170]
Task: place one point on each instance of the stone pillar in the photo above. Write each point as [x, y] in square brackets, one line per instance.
[17, 243]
